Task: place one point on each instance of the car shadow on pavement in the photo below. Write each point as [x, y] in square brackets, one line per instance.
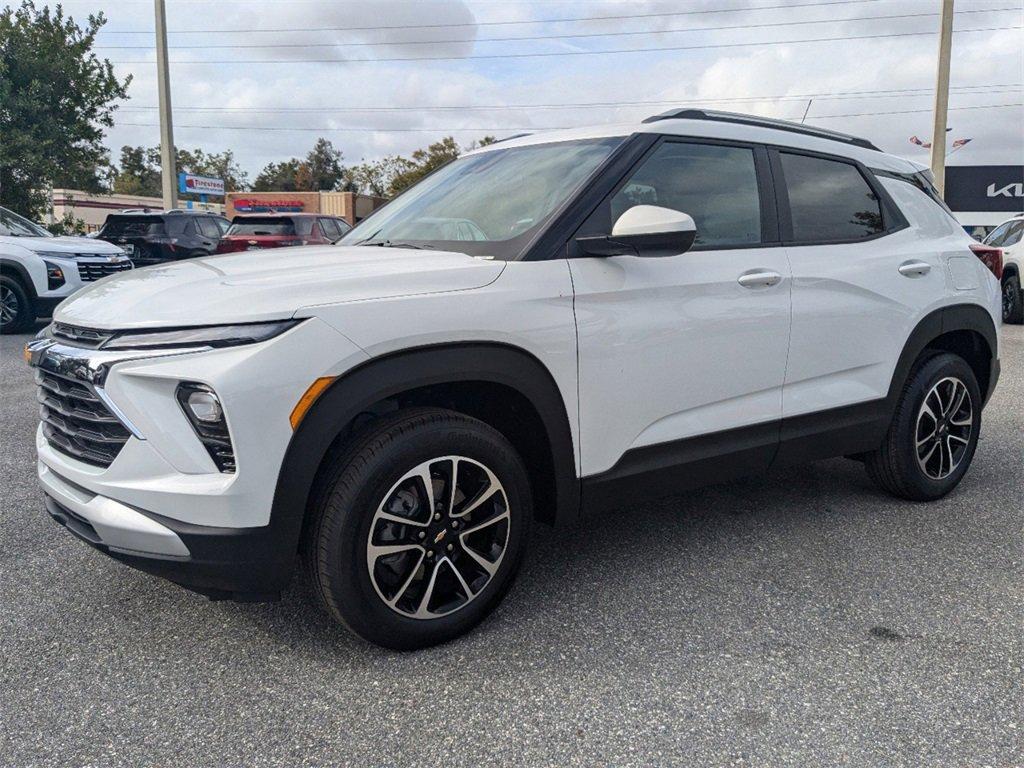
[677, 556]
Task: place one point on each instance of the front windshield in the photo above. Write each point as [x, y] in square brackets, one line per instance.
[13, 225]
[489, 204]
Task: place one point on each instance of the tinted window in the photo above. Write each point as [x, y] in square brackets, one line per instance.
[716, 185]
[209, 228]
[262, 225]
[331, 229]
[829, 200]
[1016, 231]
[1006, 234]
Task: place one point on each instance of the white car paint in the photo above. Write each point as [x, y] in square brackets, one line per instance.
[643, 351]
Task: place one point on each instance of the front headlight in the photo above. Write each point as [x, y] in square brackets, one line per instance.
[205, 336]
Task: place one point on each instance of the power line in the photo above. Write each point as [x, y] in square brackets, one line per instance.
[842, 95]
[547, 54]
[346, 129]
[726, 27]
[618, 17]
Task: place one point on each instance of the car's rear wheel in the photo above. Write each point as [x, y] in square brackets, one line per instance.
[420, 528]
[16, 310]
[934, 431]
[1013, 300]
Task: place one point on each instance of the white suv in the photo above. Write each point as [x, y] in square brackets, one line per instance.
[635, 309]
[1008, 237]
[38, 270]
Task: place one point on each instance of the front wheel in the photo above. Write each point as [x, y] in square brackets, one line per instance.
[420, 528]
[934, 431]
[1013, 301]
[16, 310]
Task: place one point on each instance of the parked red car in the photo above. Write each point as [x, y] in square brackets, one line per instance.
[275, 230]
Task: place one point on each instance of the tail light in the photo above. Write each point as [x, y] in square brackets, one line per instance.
[990, 257]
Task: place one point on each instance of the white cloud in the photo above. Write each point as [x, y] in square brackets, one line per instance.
[331, 91]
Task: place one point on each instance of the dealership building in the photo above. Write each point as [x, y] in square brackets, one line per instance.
[984, 196]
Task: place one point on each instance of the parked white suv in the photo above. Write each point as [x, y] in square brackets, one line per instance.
[1007, 237]
[651, 307]
[38, 270]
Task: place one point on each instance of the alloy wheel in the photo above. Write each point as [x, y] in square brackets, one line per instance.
[945, 422]
[1008, 299]
[438, 537]
[9, 305]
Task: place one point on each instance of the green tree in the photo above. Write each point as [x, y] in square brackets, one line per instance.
[321, 169]
[55, 101]
[278, 177]
[139, 172]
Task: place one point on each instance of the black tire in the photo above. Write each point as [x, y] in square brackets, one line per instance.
[895, 466]
[366, 476]
[1013, 300]
[18, 310]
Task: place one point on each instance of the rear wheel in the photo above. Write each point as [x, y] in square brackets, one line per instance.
[16, 310]
[934, 432]
[1013, 300]
[420, 528]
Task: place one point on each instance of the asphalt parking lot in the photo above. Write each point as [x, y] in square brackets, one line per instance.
[805, 619]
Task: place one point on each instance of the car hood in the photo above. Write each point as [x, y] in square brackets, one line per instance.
[71, 246]
[268, 285]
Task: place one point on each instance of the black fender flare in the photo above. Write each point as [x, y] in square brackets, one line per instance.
[13, 268]
[956, 317]
[380, 378]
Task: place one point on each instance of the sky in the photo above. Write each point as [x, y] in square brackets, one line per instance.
[327, 68]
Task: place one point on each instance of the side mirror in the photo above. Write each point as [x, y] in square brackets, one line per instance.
[644, 230]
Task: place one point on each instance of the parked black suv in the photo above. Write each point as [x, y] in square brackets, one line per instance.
[152, 238]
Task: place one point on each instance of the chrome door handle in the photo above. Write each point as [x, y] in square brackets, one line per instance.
[759, 278]
[915, 268]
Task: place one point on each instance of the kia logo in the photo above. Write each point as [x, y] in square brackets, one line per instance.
[1010, 190]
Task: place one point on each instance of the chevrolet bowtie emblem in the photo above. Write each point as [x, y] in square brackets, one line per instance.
[437, 539]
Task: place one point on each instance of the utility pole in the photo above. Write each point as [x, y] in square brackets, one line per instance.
[163, 78]
[942, 96]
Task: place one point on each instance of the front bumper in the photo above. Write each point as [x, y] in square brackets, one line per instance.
[222, 563]
[162, 506]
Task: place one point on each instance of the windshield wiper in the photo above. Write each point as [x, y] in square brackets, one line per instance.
[401, 244]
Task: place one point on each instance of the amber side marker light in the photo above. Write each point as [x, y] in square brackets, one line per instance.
[308, 398]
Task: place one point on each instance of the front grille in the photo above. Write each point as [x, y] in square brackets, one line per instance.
[90, 271]
[80, 337]
[76, 422]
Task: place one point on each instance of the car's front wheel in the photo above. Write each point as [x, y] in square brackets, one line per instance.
[420, 528]
[934, 431]
[16, 310]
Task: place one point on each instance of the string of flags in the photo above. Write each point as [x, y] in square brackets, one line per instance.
[927, 144]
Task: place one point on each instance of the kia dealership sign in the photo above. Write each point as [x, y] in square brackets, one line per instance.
[995, 188]
[200, 185]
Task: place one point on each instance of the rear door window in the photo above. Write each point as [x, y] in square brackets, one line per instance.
[208, 228]
[829, 200]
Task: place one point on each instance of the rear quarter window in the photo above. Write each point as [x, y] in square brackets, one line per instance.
[829, 200]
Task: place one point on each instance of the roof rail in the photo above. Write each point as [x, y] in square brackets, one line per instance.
[508, 138]
[761, 122]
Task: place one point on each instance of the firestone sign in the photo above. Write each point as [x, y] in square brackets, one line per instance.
[200, 185]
